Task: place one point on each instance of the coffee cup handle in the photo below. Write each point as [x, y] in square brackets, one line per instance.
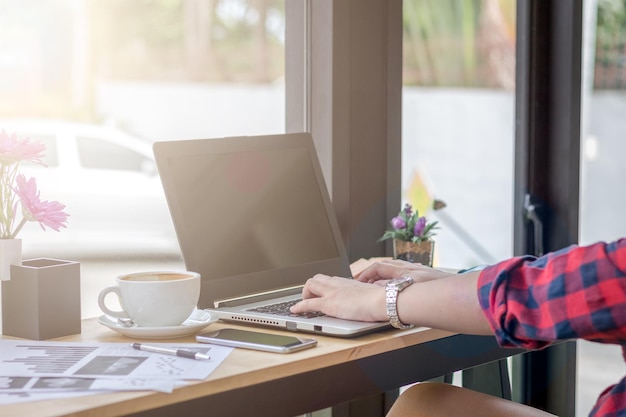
[101, 302]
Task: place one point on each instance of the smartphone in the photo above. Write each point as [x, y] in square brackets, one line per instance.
[256, 340]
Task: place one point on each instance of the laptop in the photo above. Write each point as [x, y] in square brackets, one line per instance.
[253, 216]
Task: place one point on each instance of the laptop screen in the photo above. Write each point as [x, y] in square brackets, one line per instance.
[249, 209]
[254, 211]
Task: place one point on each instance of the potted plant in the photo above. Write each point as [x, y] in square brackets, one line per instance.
[20, 201]
[412, 235]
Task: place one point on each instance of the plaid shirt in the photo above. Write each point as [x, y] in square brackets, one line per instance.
[577, 292]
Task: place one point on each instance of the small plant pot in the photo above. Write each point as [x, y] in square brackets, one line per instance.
[421, 252]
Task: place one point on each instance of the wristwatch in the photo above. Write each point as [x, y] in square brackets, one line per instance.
[392, 289]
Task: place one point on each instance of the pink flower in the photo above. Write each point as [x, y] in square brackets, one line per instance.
[420, 225]
[398, 223]
[47, 213]
[13, 149]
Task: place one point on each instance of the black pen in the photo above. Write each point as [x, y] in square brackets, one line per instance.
[183, 353]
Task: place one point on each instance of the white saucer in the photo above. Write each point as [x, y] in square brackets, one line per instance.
[198, 320]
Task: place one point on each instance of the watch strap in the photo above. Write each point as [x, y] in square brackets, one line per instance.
[392, 289]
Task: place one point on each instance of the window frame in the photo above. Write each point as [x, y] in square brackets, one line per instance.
[547, 170]
[344, 86]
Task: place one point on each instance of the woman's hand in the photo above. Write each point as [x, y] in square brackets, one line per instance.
[344, 298]
[362, 298]
[389, 269]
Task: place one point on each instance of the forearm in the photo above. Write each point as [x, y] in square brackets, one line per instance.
[577, 292]
[449, 304]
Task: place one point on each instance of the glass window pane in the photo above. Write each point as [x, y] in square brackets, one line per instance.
[458, 124]
[101, 80]
[602, 170]
[603, 144]
[98, 154]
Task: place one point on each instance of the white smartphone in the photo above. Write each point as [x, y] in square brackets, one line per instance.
[256, 340]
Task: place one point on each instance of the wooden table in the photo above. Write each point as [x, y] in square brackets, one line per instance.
[251, 383]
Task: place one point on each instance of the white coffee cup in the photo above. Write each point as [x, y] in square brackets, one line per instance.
[154, 298]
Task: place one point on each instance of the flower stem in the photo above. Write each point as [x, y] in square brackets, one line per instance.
[17, 229]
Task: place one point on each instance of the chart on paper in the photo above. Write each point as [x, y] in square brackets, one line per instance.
[103, 360]
[51, 359]
[37, 370]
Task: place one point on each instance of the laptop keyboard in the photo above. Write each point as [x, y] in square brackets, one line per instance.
[282, 309]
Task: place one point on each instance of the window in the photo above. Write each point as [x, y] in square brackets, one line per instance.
[603, 145]
[458, 124]
[102, 80]
[99, 154]
[602, 169]
[51, 158]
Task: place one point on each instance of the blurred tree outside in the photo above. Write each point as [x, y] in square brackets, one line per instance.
[199, 40]
[471, 43]
[610, 65]
[53, 53]
[461, 43]
[35, 71]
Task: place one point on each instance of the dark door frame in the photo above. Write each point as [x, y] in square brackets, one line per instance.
[547, 165]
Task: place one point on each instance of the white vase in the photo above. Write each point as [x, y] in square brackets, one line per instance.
[10, 254]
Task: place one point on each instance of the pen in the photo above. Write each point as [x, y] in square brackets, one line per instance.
[183, 353]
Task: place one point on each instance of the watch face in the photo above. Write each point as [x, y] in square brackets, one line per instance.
[403, 280]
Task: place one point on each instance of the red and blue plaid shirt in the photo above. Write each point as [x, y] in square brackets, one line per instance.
[577, 292]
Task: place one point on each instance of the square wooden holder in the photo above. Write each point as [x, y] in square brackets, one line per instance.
[42, 299]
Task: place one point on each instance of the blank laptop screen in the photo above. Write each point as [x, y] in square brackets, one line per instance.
[253, 211]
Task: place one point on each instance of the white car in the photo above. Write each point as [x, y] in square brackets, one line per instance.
[109, 183]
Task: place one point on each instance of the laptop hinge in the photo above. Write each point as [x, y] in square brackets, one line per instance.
[255, 298]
